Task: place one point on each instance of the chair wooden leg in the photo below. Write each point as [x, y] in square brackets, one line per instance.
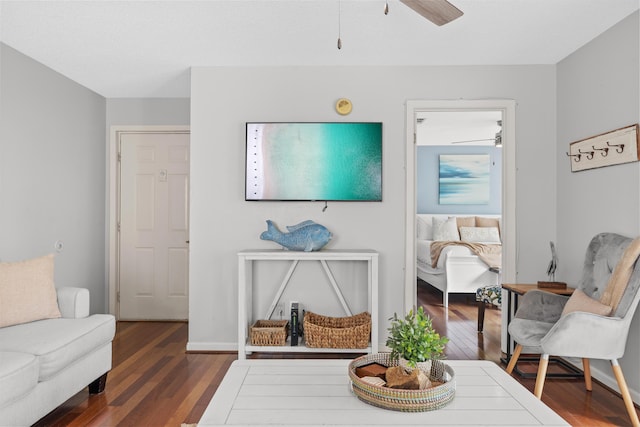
[586, 367]
[542, 373]
[624, 391]
[481, 308]
[514, 358]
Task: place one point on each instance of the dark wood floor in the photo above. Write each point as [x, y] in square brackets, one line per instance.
[154, 382]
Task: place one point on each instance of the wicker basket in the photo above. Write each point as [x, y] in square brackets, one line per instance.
[269, 332]
[337, 332]
[404, 400]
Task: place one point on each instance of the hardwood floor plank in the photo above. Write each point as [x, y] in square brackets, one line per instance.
[196, 394]
[154, 382]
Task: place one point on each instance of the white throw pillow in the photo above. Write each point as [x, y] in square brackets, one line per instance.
[480, 234]
[445, 229]
[424, 229]
[27, 291]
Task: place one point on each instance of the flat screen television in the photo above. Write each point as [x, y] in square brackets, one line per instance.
[314, 161]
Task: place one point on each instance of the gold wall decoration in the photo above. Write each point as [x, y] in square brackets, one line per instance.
[607, 149]
[343, 106]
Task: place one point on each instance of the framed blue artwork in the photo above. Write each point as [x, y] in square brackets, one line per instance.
[464, 179]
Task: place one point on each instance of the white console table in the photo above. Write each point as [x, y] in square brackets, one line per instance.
[245, 286]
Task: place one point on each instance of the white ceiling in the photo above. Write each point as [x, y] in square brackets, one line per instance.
[145, 48]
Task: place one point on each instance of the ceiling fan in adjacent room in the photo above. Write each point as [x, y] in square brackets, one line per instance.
[439, 12]
[497, 140]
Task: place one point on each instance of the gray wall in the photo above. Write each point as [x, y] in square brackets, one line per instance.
[599, 91]
[222, 223]
[53, 153]
[52, 172]
[148, 111]
[427, 180]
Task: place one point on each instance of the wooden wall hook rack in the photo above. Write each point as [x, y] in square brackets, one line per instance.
[616, 147]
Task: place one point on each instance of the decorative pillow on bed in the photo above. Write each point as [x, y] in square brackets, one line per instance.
[579, 301]
[445, 229]
[27, 292]
[424, 229]
[480, 234]
[465, 221]
[482, 221]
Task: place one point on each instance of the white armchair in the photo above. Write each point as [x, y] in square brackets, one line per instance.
[544, 323]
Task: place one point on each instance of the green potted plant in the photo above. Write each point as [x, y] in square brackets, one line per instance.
[413, 340]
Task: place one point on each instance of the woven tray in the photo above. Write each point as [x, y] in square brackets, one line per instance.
[337, 332]
[404, 400]
[269, 332]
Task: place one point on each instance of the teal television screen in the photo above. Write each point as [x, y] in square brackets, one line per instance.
[314, 161]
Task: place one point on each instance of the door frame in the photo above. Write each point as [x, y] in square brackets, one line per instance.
[509, 244]
[113, 189]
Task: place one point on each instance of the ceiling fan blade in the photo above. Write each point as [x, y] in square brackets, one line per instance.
[439, 12]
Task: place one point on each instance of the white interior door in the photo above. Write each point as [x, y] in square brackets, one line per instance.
[154, 228]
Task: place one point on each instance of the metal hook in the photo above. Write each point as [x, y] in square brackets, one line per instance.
[576, 157]
[604, 151]
[619, 147]
[588, 153]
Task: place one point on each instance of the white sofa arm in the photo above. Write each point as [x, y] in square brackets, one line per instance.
[73, 302]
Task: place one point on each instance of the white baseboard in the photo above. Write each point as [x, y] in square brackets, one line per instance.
[212, 346]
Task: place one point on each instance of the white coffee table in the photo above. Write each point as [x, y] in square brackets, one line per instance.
[304, 392]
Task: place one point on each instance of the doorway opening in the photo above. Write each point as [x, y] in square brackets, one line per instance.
[458, 174]
[506, 110]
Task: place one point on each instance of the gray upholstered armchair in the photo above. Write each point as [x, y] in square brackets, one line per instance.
[593, 323]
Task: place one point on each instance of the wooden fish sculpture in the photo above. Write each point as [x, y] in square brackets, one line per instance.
[307, 236]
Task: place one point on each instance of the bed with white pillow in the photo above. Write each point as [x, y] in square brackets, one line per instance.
[458, 269]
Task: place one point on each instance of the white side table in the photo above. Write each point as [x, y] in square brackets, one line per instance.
[245, 285]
